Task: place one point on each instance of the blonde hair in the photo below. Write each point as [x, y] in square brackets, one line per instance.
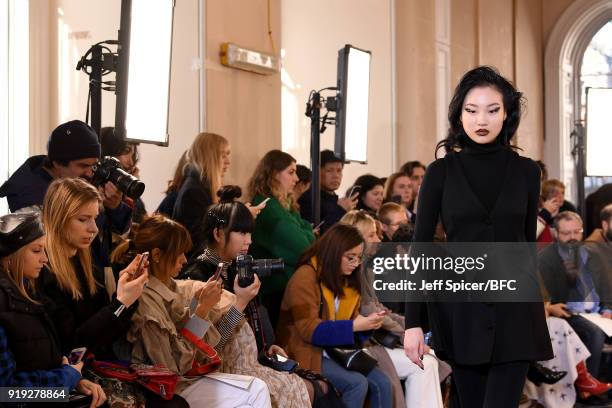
[64, 198]
[13, 266]
[359, 219]
[204, 156]
[263, 182]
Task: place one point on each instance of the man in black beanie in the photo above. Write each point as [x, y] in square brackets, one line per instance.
[73, 150]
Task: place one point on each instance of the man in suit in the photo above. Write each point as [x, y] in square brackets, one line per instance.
[576, 280]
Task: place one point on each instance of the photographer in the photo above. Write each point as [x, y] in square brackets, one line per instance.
[127, 154]
[227, 229]
[30, 354]
[72, 151]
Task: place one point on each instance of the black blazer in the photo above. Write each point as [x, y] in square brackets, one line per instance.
[192, 201]
[480, 333]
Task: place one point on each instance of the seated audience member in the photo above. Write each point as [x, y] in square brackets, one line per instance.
[304, 180]
[565, 205]
[422, 387]
[207, 161]
[398, 189]
[127, 154]
[595, 202]
[166, 207]
[553, 198]
[575, 281]
[415, 170]
[279, 230]
[603, 234]
[29, 348]
[173, 324]
[392, 216]
[320, 309]
[556, 385]
[332, 207]
[73, 150]
[227, 231]
[370, 196]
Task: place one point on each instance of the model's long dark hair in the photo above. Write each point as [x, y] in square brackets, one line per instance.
[513, 105]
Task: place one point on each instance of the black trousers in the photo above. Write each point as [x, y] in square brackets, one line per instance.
[490, 385]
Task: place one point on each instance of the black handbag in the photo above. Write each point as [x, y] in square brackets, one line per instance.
[350, 357]
[387, 339]
[359, 359]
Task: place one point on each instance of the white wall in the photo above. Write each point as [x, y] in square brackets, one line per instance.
[312, 34]
[80, 24]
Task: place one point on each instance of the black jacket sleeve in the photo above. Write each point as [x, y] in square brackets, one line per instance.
[428, 213]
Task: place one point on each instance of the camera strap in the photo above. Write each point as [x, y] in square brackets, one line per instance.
[255, 322]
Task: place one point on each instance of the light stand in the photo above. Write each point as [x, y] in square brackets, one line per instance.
[317, 127]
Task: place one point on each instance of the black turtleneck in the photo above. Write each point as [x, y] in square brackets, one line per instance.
[484, 166]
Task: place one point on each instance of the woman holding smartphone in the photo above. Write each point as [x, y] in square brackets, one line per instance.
[489, 345]
[320, 309]
[279, 231]
[177, 322]
[30, 353]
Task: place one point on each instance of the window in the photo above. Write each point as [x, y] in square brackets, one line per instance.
[14, 88]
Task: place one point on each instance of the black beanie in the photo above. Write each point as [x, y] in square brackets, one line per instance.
[73, 140]
[18, 230]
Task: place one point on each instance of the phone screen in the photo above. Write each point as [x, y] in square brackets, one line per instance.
[76, 355]
[220, 268]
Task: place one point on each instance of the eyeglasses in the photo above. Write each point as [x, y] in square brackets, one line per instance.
[354, 259]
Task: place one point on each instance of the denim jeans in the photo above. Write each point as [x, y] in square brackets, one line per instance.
[592, 337]
[354, 386]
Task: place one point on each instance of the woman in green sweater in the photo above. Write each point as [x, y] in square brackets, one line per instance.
[279, 231]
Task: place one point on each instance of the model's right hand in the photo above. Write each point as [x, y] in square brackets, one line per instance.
[414, 345]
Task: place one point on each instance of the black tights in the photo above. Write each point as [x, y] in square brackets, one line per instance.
[490, 385]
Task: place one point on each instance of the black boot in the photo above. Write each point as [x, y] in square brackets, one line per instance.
[539, 374]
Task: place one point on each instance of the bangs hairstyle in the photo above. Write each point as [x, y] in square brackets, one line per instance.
[482, 76]
[204, 156]
[64, 198]
[263, 183]
[229, 216]
[157, 231]
[329, 250]
[358, 218]
[13, 266]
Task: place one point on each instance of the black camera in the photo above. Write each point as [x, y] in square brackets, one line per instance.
[247, 267]
[109, 169]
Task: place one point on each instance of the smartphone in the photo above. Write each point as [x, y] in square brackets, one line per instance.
[141, 264]
[353, 190]
[264, 201]
[76, 355]
[220, 268]
[319, 225]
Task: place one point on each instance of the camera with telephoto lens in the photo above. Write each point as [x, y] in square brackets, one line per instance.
[109, 169]
[247, 267]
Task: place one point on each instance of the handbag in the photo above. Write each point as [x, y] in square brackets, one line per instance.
[387, 339]
[359, 359]
[155, 378]
[350, 357]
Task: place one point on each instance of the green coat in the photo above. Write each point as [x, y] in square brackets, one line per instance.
[279, 233]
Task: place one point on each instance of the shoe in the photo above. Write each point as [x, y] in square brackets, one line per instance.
[588, 385]
[539, 374]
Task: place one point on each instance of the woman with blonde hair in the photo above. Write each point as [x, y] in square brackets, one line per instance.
[279, 230]
[78, 298]
[207, 161]
[29, 350]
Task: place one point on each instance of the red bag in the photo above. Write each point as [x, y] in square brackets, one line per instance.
[156, 378]
[214, 360]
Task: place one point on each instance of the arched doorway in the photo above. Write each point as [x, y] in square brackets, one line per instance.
[562, 61]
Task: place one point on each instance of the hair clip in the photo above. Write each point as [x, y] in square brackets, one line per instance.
[218, 221]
